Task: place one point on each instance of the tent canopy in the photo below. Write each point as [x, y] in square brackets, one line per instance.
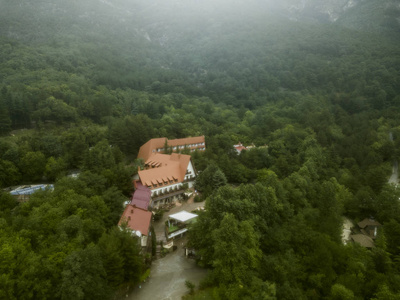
[183, 216]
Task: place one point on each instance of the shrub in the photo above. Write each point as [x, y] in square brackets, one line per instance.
[190, 285]
[158, 214]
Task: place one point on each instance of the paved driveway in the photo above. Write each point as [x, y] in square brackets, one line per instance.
[168, 274]
[159, 226]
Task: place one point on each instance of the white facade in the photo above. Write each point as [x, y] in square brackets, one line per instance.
[165, 189]
[189, 178]
[190, 174]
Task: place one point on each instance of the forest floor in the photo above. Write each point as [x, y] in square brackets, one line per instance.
[168, 274]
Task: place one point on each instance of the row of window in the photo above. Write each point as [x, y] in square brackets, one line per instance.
[166, 190]
[183, 147]
[161, 184]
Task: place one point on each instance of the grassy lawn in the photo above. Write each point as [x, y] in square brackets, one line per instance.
[172, 228]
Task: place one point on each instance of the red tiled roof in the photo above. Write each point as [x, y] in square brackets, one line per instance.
[147, 149]
[167, 168]
[368, 222]
[240, 148]
[363, 240]
[137, 219]
[152, 145]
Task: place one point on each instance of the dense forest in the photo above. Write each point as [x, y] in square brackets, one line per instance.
[83, 84]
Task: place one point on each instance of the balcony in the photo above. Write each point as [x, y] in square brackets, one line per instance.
[167, 194]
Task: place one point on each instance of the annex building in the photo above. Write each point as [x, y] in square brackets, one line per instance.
[159, 145]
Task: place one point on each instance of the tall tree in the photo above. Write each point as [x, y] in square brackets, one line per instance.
[83, 276]
[236, 251]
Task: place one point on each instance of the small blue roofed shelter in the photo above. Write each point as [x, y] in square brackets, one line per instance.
[23, 192]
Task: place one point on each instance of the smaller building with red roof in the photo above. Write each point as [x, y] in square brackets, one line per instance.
[239, 148]
[137, 220]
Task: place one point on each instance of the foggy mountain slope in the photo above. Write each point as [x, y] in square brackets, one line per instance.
[323, 11]
[100, 39]
[214, 48]
[373, 16]
[227, 50]
[365, 15]
[126, 18]
[41, 21]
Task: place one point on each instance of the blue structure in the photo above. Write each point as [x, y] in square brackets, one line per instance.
[23, 192]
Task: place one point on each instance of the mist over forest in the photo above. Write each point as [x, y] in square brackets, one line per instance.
[313, 85]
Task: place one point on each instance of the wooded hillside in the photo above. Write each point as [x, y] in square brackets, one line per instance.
[84, 84]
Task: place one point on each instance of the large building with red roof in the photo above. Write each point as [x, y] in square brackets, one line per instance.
[177, 145]
[137, 220]
[165, 175]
